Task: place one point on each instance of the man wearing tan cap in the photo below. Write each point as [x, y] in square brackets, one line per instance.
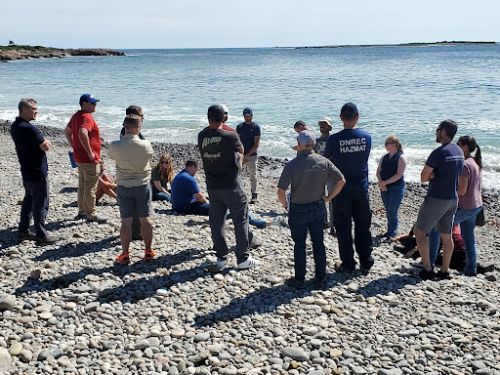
[325, 127]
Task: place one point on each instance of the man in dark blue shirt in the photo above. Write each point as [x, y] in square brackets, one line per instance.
[249, 133]
[187, 197]
[349, 150]
[31, 147]
[442, 169]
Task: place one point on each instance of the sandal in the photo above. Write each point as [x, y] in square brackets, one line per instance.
[123, 258]
[149, 255]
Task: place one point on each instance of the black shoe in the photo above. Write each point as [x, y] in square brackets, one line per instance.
[26, 236]
[319, 283]
[365, 271]
[47, 240]
[295, 283]
[443, 275]
[254, 198]
[427, 275]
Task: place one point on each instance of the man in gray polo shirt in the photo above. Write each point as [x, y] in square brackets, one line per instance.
[308, 174]
[133, 173]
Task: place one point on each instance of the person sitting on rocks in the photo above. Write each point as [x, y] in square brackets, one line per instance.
[187, 197]
[106, 185]
[133, 173]
[161, 177]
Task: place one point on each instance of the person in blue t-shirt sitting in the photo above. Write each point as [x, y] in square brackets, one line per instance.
[187, 197]
[442, 170]
[349, 150]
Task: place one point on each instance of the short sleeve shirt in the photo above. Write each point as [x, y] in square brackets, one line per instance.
[157, 176]
[308, 175]
[447, 162]
[247, 133]
[184, 186]
[219, 151]
[321, 144]
[85, 120]
[472, 198]
[349, 150]
[27, 139]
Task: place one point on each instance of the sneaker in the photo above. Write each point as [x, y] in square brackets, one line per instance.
[123, 258]
[249, 263]
[254, 198]
[96, 219]
[47, 240]
[341, 267]
[295, 283]
[80, 216]
[427, 275]
[26, 236]
[443, 275]
[254, 241]
[218, 266]
[149, 255]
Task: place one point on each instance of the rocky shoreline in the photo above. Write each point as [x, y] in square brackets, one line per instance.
[15, 52]
[66, 308]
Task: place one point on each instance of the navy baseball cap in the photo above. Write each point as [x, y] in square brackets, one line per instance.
[88, 98]
[349, 110]
[247, 111]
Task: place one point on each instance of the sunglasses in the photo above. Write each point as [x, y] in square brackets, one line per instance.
[164, 162]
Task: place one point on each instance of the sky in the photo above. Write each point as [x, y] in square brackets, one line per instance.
[125, 24]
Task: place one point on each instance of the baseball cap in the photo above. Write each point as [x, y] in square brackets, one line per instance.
[349, 110]
[326, 120]
[88, 98]
[247, 111]
[306, 136]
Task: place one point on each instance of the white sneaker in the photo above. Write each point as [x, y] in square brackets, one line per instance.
[249, 263]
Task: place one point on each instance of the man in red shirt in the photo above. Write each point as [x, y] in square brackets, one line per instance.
[82, 134]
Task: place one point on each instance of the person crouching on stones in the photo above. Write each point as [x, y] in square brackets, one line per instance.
[308, 174]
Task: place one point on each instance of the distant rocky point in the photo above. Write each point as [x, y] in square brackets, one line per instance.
[417, 44]
[21, 52]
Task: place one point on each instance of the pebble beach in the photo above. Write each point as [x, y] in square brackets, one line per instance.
[68, 309]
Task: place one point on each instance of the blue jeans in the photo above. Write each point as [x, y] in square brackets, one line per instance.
[161, 196]
[392, 200]
[301, 219]
[467, 220]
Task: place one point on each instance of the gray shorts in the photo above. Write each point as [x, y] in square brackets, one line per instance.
[134, 201]
[436, 213]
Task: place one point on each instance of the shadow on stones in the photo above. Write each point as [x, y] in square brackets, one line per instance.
[68, 189]
[64, 281]
[8, 238]
[262, 301]
[73, 250]
[391, 283]
[164, 211]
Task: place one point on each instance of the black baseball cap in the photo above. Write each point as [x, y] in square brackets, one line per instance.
[349, 110]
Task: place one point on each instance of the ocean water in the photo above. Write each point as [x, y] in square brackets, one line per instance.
[404, 91]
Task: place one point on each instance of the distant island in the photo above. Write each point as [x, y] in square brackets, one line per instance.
[21, 52]
[417, 44]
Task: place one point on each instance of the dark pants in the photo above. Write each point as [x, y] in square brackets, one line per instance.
[197, 208]
[36, 204]
[236, 202]
[354, 205]
[301, 219]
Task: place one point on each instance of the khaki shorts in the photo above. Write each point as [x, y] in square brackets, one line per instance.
[436, 213]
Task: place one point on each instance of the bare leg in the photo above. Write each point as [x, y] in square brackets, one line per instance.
[146, 231]
[423, 248]
[447, 241]
[126, 233]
